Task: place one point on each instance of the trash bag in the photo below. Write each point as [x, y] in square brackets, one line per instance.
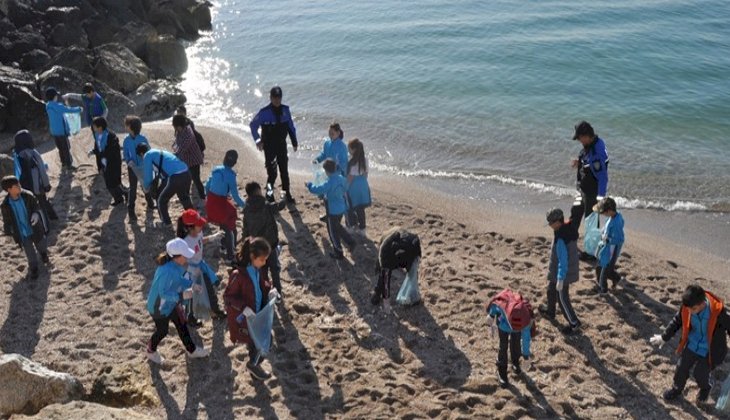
[319, 177]
[201, 301]
[408, 293]
[593, 234]
[259, 328]
[73, 119]
[723, 400]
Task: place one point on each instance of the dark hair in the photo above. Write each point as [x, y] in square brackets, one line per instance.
[607, 204]
[182, 228]
[163, 258]
[179, 121]
[99, 122]
[9, 182]
[336, 126]
[88, 88]
[252, 246]
[142, 148]
[693, 295]
[253, 188]
[329, 166]
[583, 128]
[134, 123]
[230, 159]
[358, 156]
[181, 110]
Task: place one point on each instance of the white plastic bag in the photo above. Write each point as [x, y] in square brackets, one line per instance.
[408, 293]
[259, 327]
[201, 301]
[73, 119]
[319, 177]
[723, 400]
[593, 234]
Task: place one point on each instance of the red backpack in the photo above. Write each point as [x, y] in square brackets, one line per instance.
[517, 309]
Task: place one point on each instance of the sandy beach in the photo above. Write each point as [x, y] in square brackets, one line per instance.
[335, 355]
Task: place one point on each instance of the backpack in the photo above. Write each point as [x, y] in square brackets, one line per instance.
[516, 308]
[199, 140]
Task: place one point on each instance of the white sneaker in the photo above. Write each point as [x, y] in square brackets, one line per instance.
[154, 357]
[199, 353]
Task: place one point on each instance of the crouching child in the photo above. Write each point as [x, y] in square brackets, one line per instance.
[511, 314]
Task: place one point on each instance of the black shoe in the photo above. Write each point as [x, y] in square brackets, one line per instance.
[543, 309]
[323, 218]
[703, 395]
[44, 258]
[351, 248]
[672, 394]
[34, 274]
[290, 199]
[516, 368]
[257, 371]
[375, 299]
[584, 256]
[570, 329]
[219, 314]
[117, 202]
[337, 255]
[502, 377]
[70, 168]
[132, 216]
[193, 322]
[151, 206]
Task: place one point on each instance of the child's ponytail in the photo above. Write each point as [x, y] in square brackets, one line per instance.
[182, 228]
[163, 258]
[252, 248]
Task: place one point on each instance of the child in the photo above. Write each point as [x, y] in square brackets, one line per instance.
[334, 148]
[31, 171]
[399, 249]
[133, 125]
[247, 293]
[219, 189]
[186, 148]
[190, 228]
[94, 104]
[259, 221]
[109, 156]
[173, 174]
[163, 302]
[704, 323]
[513, 316]
[58, 127]
[334, 191]
[22, 220]
[612, 239]
[562, 271]
[358, 191]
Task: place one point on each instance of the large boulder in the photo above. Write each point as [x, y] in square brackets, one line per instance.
[67, 34]
[34, 60]
[22, 109]
[76, 58]
[22, 13]
[124, 386]
[7, 166]
[4, 110]
[100, 31]
[28, 386]
[157, 99]
[55, 15]
[83, 410]
[135, 35]
[166, 57]
[119, 68]
[16, 43]
[203, 18]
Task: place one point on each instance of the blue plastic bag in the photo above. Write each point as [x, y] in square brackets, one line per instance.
[723, 401]
[259, 327]
[319, 177]
[593, 234]
[408, 293]
[73, 119]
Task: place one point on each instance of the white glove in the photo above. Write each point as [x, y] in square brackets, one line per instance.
[559, 285]
[218, 235]
[188, 294]
[248, 312]
[599, 198]
[34, 218]
[103, 162]
[657, 340]
[273, 294]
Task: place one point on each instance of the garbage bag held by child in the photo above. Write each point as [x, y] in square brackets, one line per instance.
[723, 400]
[593, 234]
[319, 177]
[73, 120]
[201, 302]
[408, 293]
[259, 327]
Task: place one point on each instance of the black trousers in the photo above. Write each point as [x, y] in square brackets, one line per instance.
[64, 150]
[563, 297]
[337, 232]
[114, 185]
[589, 196]
[274, 267]
[356, 217]
[514, 342]
[132, 197]
[684, 366]
[276, 154]
[609, 271]
[175, 185]
[195, 174]
[212, 295]
[162, 327]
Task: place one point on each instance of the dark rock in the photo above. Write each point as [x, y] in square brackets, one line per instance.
[100, 31]
[188, 22]
[73, 57]
[201, 12]
[7, 166]
[21, 13]
[55, 15]
[124, 386]
[165, 21]
[135, 36]
[3, 112]
[34, 60]
[16, 43]
[22, 108]
[157, 99]
[67, 34]
[166, 57]
[87, 410]
[6, 26]
[119, 68]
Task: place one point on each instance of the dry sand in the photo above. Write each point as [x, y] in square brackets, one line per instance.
[336, 356]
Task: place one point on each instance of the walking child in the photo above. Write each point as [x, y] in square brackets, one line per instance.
[358, 191]
[609, 249]
[164, 300]
[133, 161]
[510, 314]
[221, 191]
[58, 127]
[334, 192]
[187, 149]
[109, 156]
[30, 169]
[247, 293]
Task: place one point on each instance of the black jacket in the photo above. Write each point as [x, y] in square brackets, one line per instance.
[113, 155]
[398, 249]
[259, 219]
[10, 225]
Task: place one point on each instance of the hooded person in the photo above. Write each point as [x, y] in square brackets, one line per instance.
[222, 197]
[31, 171]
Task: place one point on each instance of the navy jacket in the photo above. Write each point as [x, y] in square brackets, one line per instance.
[274, 125]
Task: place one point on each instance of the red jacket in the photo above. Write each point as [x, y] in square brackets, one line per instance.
[240, 294]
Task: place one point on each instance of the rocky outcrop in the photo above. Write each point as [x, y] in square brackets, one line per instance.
[28, 386]
[82, 410]
[76, 58]
[166, 57]
[157, 99]
[19, 107]
[119, 68]
[124, 386]
[7, 166]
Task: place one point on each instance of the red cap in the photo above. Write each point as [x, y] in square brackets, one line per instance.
[191, 217]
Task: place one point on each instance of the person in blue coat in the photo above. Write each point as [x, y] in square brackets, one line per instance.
[359, 190]
[334, 191]
[173, 175]
[592, 170]
[169, 286]
[515, 337]
[221, 191]
[58, 127]
[134, 138]
[609, 249]
[275, 122]
[334, 148]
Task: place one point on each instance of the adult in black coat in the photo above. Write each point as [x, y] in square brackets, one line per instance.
[109, 156]
[399, 249]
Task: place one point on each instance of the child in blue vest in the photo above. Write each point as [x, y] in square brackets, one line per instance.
[94, 106]
[609, 248]
[334, 192]
[135, 170]
[109, 156]
[358, 191]
[58, 127]
[512, 315]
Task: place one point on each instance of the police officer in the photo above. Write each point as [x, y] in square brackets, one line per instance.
[276, 122]
[592, 173]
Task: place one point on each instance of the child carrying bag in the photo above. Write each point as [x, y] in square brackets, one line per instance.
[201, 301]
[408, 293]
[593, 234]
[260, 326]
